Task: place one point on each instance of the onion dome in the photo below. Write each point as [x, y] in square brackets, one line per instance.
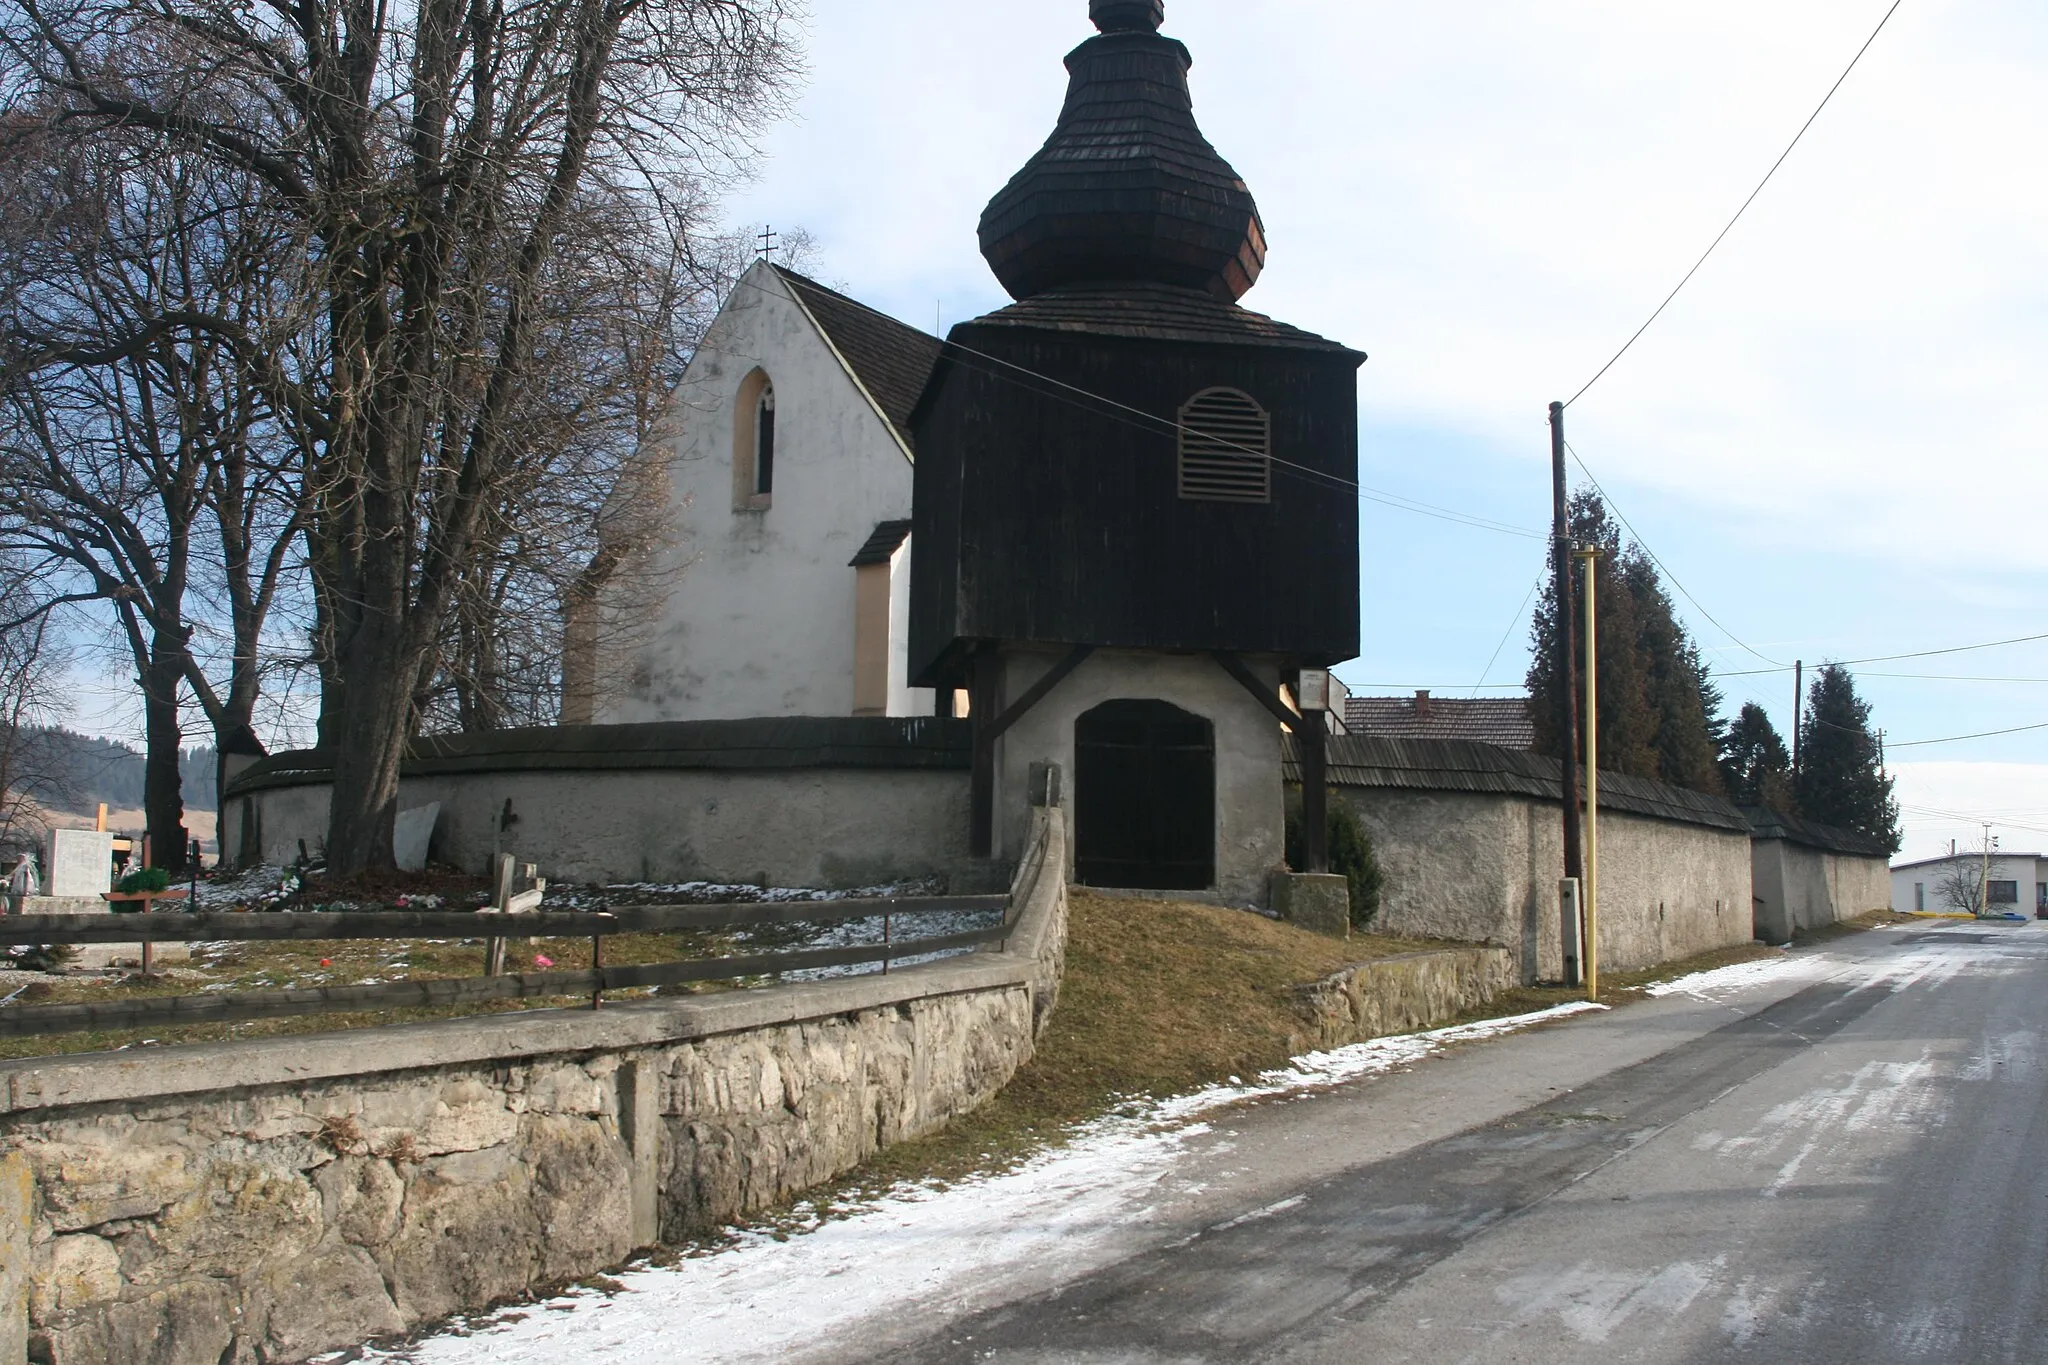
[1127, 189]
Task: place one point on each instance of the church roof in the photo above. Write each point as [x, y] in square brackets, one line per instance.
[1155, 312]
[891, 360]
[1126, 188]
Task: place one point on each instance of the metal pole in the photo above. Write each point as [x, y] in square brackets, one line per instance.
[1591, 559]
[1567, 682]
[1984, 882]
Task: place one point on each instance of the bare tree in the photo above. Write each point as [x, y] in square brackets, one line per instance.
[1961, 885]
[137, 466]
[442, 161]
[31, 682]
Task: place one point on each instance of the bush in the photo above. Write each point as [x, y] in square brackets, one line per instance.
[147, 880]
[1351, 856]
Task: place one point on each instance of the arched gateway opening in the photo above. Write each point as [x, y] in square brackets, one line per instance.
[1145, 797]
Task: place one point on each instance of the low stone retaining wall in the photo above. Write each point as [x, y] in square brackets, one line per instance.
[273, 1200]
[1400, 994]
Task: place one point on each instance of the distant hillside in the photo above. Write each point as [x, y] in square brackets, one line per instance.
[89, 771]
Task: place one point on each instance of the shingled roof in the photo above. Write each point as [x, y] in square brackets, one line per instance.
[892, 361]
[1154, 312]
[1502, 721]
[1765, 823]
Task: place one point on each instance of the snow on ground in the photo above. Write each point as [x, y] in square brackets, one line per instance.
[765, 1293]
[1723, 982]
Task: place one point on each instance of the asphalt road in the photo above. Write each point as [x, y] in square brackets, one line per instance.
[1851, 1167]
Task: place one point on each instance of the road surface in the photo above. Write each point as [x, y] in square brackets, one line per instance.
[1857, 1172]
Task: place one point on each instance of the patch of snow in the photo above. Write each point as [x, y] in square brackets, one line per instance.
[1722, 982]
[768, 1293]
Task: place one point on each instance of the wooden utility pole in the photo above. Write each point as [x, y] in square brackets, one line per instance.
[1798, 710]
[1567, 674]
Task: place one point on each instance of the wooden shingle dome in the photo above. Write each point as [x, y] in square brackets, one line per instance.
[1127, 189]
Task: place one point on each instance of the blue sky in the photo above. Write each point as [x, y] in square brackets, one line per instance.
[1832, 439]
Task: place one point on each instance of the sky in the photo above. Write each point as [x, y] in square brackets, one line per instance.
[1831, 440]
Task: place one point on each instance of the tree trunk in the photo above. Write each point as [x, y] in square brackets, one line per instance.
[163, 798]
[368, 730]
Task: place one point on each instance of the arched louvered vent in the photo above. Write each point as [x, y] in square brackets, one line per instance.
[1226, 448]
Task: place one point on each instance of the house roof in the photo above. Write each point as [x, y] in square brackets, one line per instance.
[1155, 312]
[891, 360]
[1997, 855]
[1765, 823]
[1448, 765]
[1502, 721]
[882, 545]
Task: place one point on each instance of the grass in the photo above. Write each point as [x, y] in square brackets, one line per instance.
[1159, 998]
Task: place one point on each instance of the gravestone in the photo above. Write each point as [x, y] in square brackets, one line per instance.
[412, 835]
[81, 863]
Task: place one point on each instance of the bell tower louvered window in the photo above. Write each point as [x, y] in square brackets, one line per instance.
[1226, 448]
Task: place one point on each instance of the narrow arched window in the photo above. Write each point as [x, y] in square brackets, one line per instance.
[1226, 448]
[764, 444]
[753, 443]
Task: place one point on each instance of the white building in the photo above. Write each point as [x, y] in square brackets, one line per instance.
[786, 566]
[2018, 882]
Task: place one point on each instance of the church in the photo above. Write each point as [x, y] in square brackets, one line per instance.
[1108, 525]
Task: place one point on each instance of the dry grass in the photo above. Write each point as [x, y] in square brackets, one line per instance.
[1159, 998]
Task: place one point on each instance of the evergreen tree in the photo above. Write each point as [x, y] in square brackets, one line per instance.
[1841, 779]
[1659, 712]
[1754, 763]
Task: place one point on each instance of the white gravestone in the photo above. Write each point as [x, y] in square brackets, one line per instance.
[81, 862]
[413, 835]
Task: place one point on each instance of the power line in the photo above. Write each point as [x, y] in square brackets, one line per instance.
[1783, 157]
[1899, 658]
[1957, 739]
[1664, 568]
[1534, 588]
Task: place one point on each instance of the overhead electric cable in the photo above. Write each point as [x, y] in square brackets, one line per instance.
[1957, 739]
[1899, 658]
[1664, 568]
[1786, 154]
[1534, 588]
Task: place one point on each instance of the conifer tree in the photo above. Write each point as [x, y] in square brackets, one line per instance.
[1841, 779]
[1659, 712]
[1754, 763]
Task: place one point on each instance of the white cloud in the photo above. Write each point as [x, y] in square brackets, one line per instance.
[1944, 801]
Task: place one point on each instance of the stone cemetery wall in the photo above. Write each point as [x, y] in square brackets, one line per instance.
[277, 1199]
[1484, 867]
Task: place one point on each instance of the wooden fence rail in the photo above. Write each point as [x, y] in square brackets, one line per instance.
[261, 926]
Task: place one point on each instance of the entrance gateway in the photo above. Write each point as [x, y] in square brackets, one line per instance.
[1144, 797]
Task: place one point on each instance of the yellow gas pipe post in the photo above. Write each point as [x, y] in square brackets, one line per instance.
[1589, 558]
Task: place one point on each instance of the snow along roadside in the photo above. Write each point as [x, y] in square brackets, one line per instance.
[766, 1295]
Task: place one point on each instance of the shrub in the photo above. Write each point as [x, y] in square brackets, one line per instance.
[1351, 856]
[147, 880]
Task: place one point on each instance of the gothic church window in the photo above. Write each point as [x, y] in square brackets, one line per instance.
[753, 444]
[1226, 448]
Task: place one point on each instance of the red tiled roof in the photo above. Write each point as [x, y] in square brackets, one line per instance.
[1500, 721]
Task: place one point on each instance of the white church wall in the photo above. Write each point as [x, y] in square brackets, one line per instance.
[760, 618]
[1250, 810]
